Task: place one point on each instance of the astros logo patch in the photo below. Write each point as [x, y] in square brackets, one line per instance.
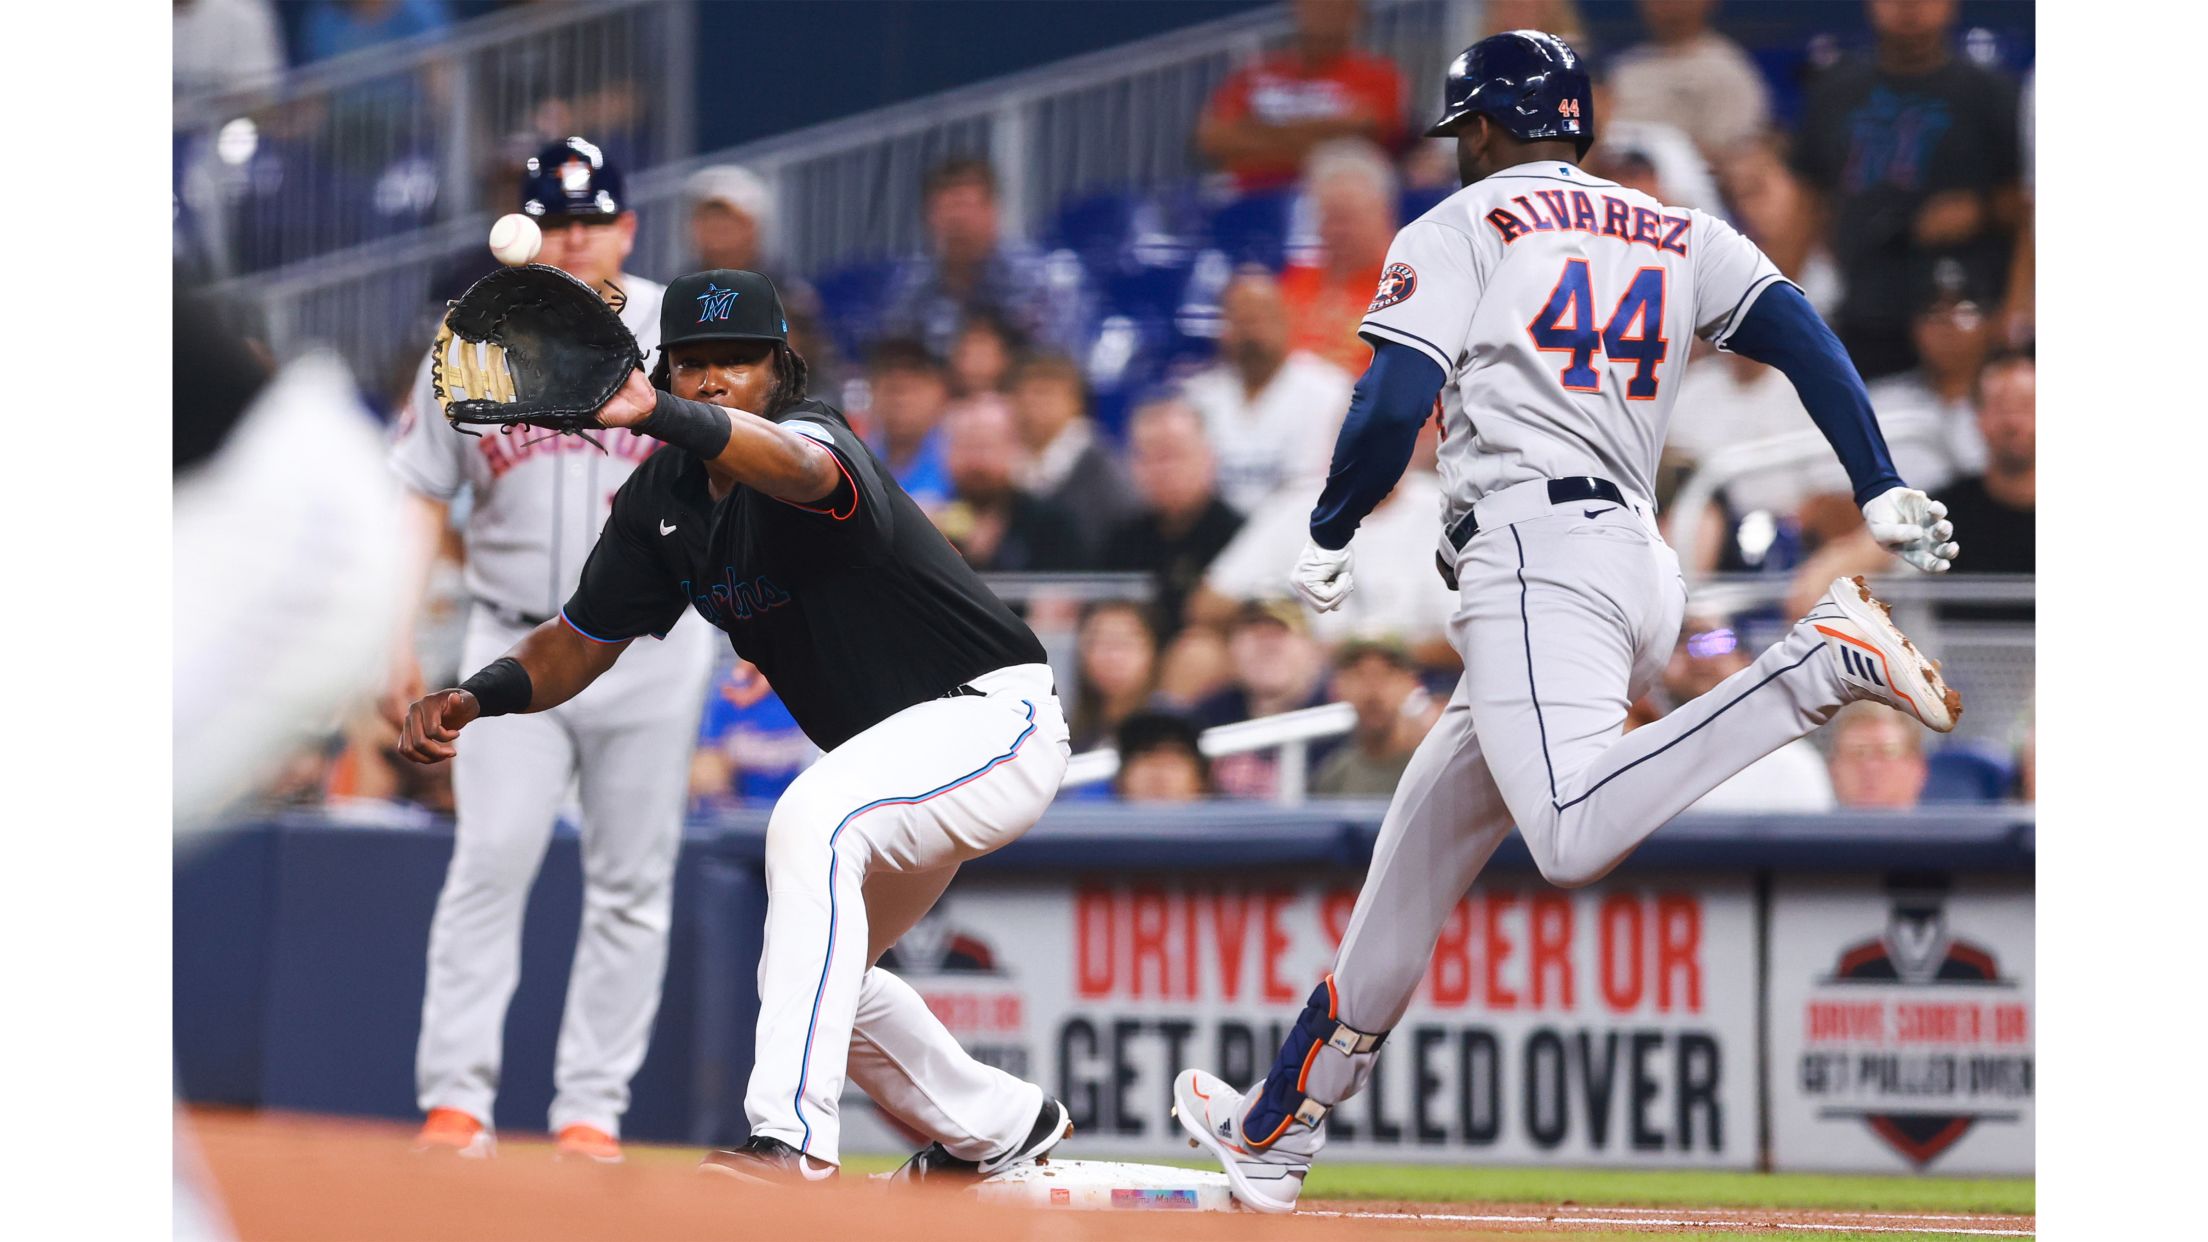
[1396, 283]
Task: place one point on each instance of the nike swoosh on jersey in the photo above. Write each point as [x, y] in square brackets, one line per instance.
[666, 528]
[1588, 513]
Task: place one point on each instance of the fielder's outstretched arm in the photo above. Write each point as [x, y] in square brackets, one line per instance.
[736, 446]
[550, 665]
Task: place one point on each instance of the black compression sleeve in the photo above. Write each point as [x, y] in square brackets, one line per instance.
[692, 426]
[501, 687]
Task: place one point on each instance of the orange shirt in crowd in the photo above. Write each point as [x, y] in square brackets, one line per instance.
[1280, 89]
[1323, 315]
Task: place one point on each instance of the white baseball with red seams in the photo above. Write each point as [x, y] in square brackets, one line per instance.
[516, 239]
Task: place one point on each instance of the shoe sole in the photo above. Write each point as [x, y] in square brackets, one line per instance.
[1917, 681]
[1188, 1109]
[1058, 1133]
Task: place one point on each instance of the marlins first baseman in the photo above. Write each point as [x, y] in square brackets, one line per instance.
[538, 502]
[1546, 316]
[943, 733]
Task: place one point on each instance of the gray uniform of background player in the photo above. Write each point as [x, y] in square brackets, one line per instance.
[625, 743]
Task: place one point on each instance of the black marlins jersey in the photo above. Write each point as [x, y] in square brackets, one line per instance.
[854, 608]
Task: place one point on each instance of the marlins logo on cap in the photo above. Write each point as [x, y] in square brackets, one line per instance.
[716, 302]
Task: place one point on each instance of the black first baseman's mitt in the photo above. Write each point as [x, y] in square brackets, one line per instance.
[530, 346]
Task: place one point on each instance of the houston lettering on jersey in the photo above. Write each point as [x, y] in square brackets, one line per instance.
[502, 452]
[1548, 211]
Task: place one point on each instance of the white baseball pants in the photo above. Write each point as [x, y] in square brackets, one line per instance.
[859, 847]
[626, 741]
[1563, 620]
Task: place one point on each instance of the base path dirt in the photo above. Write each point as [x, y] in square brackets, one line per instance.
[299, 1179]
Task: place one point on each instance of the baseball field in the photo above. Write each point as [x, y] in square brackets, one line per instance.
[288, 1178]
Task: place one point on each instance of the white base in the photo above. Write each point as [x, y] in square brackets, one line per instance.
[1107, 1185]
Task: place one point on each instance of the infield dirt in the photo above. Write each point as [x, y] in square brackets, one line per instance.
[300, 1179]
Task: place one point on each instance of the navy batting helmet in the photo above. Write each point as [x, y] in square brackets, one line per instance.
[1526, 81]
[572, 178]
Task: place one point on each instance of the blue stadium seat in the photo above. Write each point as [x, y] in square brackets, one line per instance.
[851, 299]
[1963, 772]
[1416, 201]
[1097, 228]
[1254, 228]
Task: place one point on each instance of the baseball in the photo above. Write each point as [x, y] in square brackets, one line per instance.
[515, 239]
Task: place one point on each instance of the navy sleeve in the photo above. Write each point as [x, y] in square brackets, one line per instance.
[1392, 400]
[1782, 330]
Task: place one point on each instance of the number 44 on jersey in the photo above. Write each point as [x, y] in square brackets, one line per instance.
[1634, 332]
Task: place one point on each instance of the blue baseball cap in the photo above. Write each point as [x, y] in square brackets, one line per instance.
[572, 178]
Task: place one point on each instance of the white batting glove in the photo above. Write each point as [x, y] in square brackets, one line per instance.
[1322, 576]
[1912, 526]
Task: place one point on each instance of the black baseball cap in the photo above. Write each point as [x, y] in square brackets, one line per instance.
[724, 304]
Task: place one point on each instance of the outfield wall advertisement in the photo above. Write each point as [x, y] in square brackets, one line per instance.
[1901, 1025]
[1609, 1025]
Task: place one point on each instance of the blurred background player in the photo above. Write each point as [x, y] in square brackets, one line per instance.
[535, 505]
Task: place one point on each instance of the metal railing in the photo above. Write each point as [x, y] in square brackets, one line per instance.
[1991, 662]
[848, 191]
[381, 142]
[1291, 733]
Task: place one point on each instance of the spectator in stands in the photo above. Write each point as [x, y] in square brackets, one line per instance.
[1274, 666]
[1117, 670]
[1659, 160]
[749, 746]
[1266, 117]
[1914, 152]
[1271, 411]
[1992, 511]
[984, 355]
[222, 45]
[1690, 77]
[1771, 205]
[1877, 758]
[1066, 463]
[1160, 760]
[732, 224]
[1379, 679]
[1352, 188]
[1928, 412]
[971, 269]
[908, 393]
[1559, 17]
[1791, 778]
[1397, 592]
[996, 526]
[1183, 523]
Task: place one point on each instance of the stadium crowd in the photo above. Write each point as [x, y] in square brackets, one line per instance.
[991, 375]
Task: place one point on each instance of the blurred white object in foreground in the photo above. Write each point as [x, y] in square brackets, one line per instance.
[286, 581]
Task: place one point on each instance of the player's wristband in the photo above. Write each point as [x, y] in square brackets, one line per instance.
[501, 687]
[692, 426]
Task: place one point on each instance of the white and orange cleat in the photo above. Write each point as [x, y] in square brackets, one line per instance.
[1264, 1180]
[1877, 661]
[581, 1142]
[452, 1132]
